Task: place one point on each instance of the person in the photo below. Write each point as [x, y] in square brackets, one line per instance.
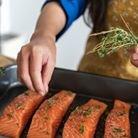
[36, 60]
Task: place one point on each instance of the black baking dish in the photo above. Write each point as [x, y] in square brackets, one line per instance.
[86, 86]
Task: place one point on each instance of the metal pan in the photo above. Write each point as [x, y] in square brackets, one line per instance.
[86, 86]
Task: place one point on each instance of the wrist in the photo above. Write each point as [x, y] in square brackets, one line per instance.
[40, 36]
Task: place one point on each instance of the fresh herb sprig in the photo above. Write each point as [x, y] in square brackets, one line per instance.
[2, 70]
[113, 40]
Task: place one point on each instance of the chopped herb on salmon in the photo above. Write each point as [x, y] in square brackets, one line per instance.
[120, 113]
[10, 115]
[49, 115]
[117, 130]
[84, 120]
[19, 106]
[17, 113]
[117, 123]
[82, 128]
[88, 111]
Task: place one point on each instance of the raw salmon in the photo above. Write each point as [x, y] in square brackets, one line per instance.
[117, 123]
[49, 115]
[83, 121]
[17, 113]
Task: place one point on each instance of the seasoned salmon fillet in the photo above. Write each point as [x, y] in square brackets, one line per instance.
[17, 113]
[117, 123]
[48, 117]
[83, 120]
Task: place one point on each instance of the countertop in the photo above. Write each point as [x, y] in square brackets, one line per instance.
[5, 61]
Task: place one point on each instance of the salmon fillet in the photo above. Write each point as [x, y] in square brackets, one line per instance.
[48, 117]
[83, 121]
[17, 113]
[117, 123]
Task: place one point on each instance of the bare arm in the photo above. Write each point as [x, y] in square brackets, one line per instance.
[36, 60]
[51, 21]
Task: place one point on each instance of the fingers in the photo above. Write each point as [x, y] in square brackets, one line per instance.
[134, 57]
[23, 68]
[134, 62]
[35, 70]
[35, 65]
[47, 73]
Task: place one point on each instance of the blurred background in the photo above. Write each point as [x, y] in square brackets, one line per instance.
[18, 19]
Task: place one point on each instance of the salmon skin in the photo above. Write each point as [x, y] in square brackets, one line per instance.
[17, 113]
[117, 123]
[83, 120]
[48, 117]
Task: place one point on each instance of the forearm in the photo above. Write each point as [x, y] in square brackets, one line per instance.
[51, 21]
[36, 60]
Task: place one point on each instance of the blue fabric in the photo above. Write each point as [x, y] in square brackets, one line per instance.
[73, 10]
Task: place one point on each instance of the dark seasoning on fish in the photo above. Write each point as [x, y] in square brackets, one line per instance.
[90, 110]
[10, 115]
[16, 115]
[82, 85]
[19, 106]
[83, 121]
[81, 113]
[117, 122]
[49, 115]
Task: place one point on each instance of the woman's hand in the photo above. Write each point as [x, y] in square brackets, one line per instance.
[134, 56]
[36, 62]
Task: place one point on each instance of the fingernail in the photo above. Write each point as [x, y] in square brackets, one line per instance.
[32, 89]
[42, 93]
[135, 56]
[46, 88]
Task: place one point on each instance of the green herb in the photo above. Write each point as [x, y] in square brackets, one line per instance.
[52, 101]
[76, 109]
[97, 107]
[115, 39]
[88, 111]
[10, 115]
[19, 106]
[82, 129]
[2, 70]
[120, 113]
[117, 130]
[49, 104]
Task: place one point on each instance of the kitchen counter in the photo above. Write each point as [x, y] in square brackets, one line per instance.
[5, 61]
